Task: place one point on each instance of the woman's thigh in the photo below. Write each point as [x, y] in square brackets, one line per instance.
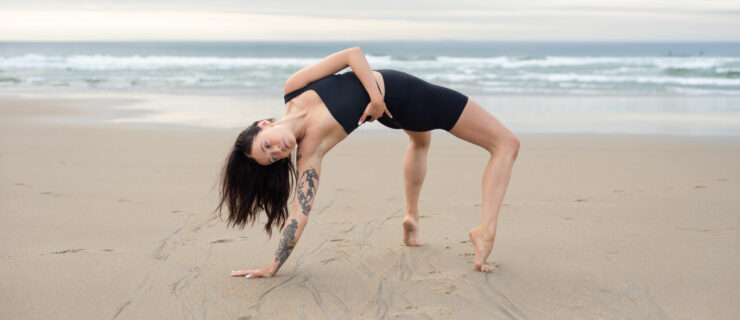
[479, 127]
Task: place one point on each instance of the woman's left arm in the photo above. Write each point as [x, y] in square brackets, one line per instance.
[309, 169]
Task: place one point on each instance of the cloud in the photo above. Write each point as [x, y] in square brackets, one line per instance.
[225, 20]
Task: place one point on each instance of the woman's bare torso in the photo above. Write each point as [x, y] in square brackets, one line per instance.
[323, 132]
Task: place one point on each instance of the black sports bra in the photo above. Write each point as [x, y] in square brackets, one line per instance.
[344, 96]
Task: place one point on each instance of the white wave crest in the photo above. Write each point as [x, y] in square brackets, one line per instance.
[629, 79]
[656, 62]
[106, 62]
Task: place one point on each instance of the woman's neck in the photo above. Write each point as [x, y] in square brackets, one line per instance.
[296, 121]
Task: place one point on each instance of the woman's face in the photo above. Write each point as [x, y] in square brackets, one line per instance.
[272, 143]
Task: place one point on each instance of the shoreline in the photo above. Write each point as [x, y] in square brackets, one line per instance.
[519, 113]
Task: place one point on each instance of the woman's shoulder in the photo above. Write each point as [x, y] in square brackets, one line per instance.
[323, 134]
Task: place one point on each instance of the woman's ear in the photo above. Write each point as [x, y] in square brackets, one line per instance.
[264, 123]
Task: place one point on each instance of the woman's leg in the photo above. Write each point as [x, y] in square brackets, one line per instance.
[414, 170]
[479, 127]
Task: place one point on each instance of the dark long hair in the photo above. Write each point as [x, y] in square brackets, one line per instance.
[248, 187]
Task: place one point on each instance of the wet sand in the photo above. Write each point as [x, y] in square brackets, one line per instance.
[113, 221]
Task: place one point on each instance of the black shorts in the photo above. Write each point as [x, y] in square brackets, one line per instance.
[417, 105]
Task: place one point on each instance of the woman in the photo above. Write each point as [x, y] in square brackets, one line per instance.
[321, 110]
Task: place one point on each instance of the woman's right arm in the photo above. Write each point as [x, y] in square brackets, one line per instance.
[309, 169]
[352, 57]
[355, 59]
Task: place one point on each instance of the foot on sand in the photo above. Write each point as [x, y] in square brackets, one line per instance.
[411, 232]
[483, 245]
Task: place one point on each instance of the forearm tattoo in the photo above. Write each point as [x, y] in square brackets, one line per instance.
[287, 243]
[307, 189]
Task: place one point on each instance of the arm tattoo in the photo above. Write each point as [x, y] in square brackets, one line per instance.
[307, 189]
[287, 243]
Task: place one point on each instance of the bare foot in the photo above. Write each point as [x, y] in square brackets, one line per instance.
[483, 245]
[411, 232]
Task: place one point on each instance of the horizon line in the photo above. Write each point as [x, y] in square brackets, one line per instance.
[393, 40]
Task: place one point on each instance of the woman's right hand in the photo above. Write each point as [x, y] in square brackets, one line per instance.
[252, 273]
[374, 110]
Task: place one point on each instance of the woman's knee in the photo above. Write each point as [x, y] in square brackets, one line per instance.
[514, 145]
[420, 140]
[506, 145]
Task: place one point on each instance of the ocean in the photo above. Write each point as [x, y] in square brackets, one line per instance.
[664, 88]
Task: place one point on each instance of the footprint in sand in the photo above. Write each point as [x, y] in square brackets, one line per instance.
[695, 229]
[222, 241]
[722, 179]
[567, 218]
[19, 184]
[125, 200]
[68, 251]
[581, 200]
[448, 290]
[618, 191]
[48, 193]
[107, 250]
[698, 186]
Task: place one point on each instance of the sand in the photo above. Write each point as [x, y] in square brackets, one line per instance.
[113, 221]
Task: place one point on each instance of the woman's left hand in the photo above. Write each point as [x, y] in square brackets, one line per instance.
[374, 110]
[251, 273]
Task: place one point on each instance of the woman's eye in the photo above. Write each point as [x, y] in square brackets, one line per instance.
[267, 144]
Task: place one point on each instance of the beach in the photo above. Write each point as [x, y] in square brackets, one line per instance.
[114, 220]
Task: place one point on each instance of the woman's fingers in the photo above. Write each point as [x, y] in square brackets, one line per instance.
[366, 114]
[241, 273]
[251, 273]
[373, 113]
[388, 113]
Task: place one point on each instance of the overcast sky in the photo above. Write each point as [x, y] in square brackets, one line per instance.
[525, 20]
